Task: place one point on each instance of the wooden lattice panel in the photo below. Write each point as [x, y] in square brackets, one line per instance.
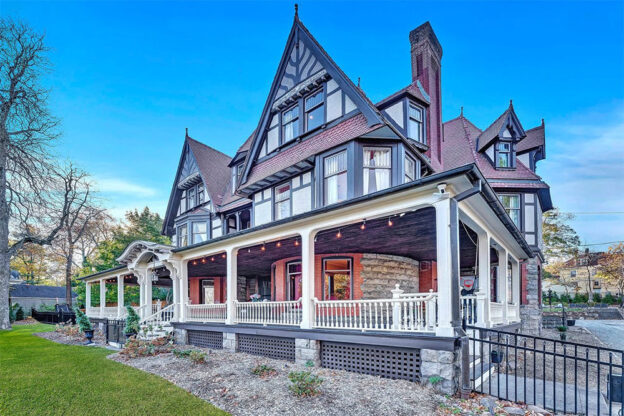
[387, 362]
[272, 347]
[206, 339]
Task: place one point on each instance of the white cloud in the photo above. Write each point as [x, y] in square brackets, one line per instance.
[585, 169]
[122, 186]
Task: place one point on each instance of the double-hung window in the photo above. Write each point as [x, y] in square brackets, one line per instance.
[415, 129]
[377, 169]
[182, 236]
[512, 206]
[201, 194]
[191, 198]
[237, 172]
[200, 232]
[290, 122]
[337, 279]
[183, 206]
[409, 167]
[314, 110]
[335, 178]
[282, 201]
[503, 155]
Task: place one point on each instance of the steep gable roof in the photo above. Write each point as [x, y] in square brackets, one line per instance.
[304, 57]
[508, 118]
[535, 138]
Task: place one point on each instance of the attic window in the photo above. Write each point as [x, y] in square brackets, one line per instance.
[415, 129]
[237, 172]
[504, 155]
[314, 111]
[290, 121]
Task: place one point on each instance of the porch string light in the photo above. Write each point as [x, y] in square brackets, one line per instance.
[263, 248]
[390, 223]
[339, 234]
[363, 226]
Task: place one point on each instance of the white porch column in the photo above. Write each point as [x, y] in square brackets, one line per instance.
[148, 293]
[120, 296]
[183, 292]
[307, 279]
[141, 294]
[231, 285]
[447, 258]
[174, 274]
[502, 281]
[87, 296]
[483, 303]
[102, 297]
[515, 287]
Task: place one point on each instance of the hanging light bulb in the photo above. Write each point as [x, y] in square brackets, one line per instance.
[296, 242]
[212, 258]
[194, 262]
[279, 244]
[203, 260]
[223, 255]
[263, 248]
[390, 223]
[363, 226]
[339, 234]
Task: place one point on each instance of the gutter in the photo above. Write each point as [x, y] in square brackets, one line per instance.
[103, 272]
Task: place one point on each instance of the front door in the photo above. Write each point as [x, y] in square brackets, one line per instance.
[208, 291]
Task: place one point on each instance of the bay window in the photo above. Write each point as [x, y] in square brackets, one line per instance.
[282, 201]
[377, 168]
[409, 166]
[182, 207]
[201, 194]
[237, 172]
[314, 110]
[335, 178]
[415, 129]
[199, 232]
[290, 122]
[337, 279]
[182, 236]
[512, 206]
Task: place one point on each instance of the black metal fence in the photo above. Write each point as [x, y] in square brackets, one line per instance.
[115, 331]
[554, 374]
[53, 317]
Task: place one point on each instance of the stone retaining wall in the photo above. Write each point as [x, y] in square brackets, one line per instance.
[381, 272]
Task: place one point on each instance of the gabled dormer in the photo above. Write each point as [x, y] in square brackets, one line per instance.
[498, 142]
[197, 190]
[309, 95]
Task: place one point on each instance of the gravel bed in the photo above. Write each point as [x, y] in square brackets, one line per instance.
[226, 381]
[98, 338]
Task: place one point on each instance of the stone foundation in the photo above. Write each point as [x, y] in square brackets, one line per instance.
[441, 370]
[307, 350]
[180, 336]
[230, 342]
[531, 313]
[381, 272]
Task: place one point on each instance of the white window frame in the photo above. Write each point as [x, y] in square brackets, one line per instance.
[284, 200]
[325, 178]
[421, 123]
[366, 169]
[508, 209]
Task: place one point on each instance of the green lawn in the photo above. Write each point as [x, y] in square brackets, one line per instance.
[40, 377]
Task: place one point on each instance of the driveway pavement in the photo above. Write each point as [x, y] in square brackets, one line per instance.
[610, 332]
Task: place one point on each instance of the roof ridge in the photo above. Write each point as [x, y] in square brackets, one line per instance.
[472, 146]
[208, 146]
[541, 126]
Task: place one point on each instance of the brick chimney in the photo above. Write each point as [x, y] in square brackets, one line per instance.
[426, 57]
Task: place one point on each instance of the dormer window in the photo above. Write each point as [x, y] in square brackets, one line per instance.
[504, 155]
[314, 110]
[290, 123]
[237, 172]
[415, 130]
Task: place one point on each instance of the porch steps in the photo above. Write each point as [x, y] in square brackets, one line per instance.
[480, 373]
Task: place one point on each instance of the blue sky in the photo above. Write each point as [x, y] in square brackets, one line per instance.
[130, 76]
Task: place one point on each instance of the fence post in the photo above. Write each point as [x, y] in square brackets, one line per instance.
[396, 307]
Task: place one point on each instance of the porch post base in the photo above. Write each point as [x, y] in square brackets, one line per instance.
[307, 350]
[180, 336]
[230, 342]
[441, 370]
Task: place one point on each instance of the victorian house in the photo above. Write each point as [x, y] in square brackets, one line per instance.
[343, 226]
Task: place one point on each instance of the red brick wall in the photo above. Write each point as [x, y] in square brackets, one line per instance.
[195, 289]
[428, 279]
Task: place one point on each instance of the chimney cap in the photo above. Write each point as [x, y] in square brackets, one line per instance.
[424, 33]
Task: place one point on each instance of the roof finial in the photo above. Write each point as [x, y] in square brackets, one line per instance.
[510, 103]
[542, 122]
[186, 131]
[358, 82]
[296, 11]
[461, 112]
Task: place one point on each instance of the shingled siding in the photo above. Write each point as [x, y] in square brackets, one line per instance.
[381, 272]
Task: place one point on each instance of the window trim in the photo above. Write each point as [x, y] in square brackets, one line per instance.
[322, 178]
[179, 235]
[407, 156]
[324, 259]
[511, 154]
[306, 110]
[423, 130]
[275, 201]
[287, 275]
[192, 234]
[281, 140]
[373, 147]
[519, 209]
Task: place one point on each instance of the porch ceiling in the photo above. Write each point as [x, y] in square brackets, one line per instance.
[412, 235]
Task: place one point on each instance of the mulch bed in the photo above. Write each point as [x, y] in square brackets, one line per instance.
[226, 380]
[98, 338]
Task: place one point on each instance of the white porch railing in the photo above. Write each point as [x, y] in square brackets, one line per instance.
[216, 312]
[496, 313]
[93, 311]
[415, 312]
[161, 317]
[469, 310]
[513, 312]
[269, 313]
[110, 312]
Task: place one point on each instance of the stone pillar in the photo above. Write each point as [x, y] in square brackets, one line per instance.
[307, 279]
[441, 369]
[531, 313]
[307, 350]
[102, 297]
[231, 287]
[230, 342]
[120, 296]
[447, 257]
[180, 336]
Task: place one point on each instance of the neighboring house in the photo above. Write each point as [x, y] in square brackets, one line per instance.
[33, 296]
[580, 273]
[15, 278]
[340, 225]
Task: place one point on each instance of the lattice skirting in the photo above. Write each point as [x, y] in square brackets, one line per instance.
[206, 339]
[272, 347]
[387, 362]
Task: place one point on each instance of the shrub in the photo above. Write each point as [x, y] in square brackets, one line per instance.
[132, 321]
[434, 380]
[264, 370]
[562, 328]
[181, 353]
[19, 314]
[82, 320]
[46, 308]
[12, 313]
[304, 383]
[141, 348]
[580, 298]
[597, 298]
[565, 298]
[309, 364]
[197, 357]
[69, 329]
[609, 299]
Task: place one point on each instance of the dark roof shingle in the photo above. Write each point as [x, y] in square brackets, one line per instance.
[38, 291]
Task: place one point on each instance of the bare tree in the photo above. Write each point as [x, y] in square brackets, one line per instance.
[33, 193]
